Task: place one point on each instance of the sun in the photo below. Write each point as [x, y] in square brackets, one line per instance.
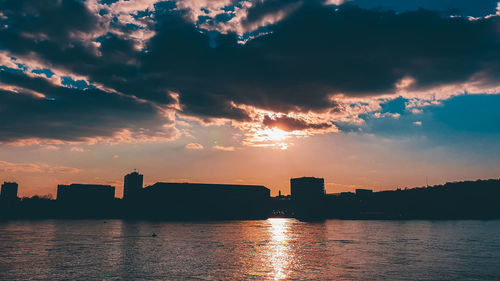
[271, 137]
[275, 134]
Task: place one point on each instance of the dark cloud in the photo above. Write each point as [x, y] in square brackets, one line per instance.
[270, 8]
[68, 113]
[289, 124]
[116, 63]
[315, 51]
[47, 20]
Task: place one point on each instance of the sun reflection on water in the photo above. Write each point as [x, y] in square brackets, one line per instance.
[280, 254]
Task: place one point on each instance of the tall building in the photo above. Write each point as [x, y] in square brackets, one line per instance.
[308, 194]
[307, 188]
[85, 193]
[9, 191]
[132, 185]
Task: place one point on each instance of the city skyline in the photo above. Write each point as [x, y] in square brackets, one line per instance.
[308, 201]
[119, 188]
[366, 94]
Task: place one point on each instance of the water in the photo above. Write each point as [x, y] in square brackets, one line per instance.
[274, 249]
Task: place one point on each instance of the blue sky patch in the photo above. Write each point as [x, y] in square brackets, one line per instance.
[47, 72]
[78, 84]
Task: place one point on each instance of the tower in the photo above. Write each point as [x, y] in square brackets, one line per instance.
[132, 185]
[9, 191]
[308, 197]
[307, 188]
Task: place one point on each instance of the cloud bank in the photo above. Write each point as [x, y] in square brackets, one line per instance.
[74, 70]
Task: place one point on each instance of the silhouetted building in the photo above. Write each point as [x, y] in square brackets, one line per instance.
[132, 186]
[364, 192]
[308, 196]
[178, 201]
[9, 191]
[307, 188]
[85, 193]
[207, 201]
[347, 194]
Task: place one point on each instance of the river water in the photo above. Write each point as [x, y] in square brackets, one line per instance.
[273, 249]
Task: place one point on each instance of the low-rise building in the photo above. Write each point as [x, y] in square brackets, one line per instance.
[85, 193]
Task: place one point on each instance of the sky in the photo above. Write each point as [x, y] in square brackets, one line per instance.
[378, 94]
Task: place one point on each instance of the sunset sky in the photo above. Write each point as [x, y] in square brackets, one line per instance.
[364, 93]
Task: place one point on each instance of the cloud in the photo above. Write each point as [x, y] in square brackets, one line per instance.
[289, 124]
[73, 115]
[335, 2]
[194, 146]
[224, 148]
[299, 58]
[9, 167]
[269, 12]
[299, 65]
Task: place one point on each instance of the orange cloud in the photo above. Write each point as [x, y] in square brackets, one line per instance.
[194, 146]
[9, 167]
[224, 148]
[143, 135]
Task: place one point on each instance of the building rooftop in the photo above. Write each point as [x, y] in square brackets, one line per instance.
[307, 178]
[206, 185]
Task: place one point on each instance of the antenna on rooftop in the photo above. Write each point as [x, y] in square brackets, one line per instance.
[427, 181]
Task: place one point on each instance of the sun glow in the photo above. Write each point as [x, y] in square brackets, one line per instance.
[271, 137]
[274, 134]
